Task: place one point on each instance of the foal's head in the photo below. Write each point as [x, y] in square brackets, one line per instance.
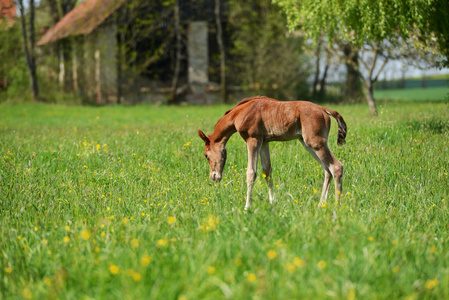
[215, 154]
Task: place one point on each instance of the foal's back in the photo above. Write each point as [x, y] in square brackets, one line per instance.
[274, 120]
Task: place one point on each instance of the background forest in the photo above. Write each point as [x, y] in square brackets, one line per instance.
[319, 50]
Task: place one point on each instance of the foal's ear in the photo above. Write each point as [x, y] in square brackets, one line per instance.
[203, 137]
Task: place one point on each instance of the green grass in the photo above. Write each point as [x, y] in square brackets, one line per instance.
[427, 94]
[115, 202]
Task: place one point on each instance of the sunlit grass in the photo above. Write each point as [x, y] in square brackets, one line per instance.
[414, 94]
[116, 202]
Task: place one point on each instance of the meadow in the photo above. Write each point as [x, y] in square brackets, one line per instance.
[413, 94]
[115, 202]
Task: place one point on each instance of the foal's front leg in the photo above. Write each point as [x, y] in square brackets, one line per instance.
[266, 168]
[251, 172]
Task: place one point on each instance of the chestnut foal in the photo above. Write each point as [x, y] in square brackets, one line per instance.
[260, 120]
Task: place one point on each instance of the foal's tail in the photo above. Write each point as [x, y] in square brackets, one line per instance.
[341, 126]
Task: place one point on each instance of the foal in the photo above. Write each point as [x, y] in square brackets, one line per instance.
[260, 120]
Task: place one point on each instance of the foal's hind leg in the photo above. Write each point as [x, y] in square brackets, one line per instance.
[332, 168]
[266, 168]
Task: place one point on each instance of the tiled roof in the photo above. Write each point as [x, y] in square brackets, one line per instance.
[83, 19]
[7, 9]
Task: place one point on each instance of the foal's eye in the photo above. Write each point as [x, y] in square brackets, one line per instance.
[205, 155]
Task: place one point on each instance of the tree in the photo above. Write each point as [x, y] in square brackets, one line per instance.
[28, 41]
[372, 25]
[350, 58]
[62, 48]
[263, 56]
[178, 53]
[150, 44]
[13, 69]
[222, 51]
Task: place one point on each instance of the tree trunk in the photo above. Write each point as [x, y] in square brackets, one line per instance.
[55, 15]
[65, 46]
[175, 80]
[322, 91]
[352, 86]
[370, 97]
[222, 53]
[317, 69]
[28, 45]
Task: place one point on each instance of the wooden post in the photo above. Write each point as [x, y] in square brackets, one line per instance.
[98, 77]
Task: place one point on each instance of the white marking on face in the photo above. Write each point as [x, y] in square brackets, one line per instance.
[215, 176]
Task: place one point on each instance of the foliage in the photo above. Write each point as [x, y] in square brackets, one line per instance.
[115, 202]
[365, 21]
[13, 67]
[146, 38]
[264, 57]
[380, 28]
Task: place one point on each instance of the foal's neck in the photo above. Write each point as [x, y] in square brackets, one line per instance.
[223, 130]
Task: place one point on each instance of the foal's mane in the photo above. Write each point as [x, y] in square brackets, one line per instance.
[246, 100]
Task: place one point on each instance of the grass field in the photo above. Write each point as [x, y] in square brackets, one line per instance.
[115, 202]
[427, 94]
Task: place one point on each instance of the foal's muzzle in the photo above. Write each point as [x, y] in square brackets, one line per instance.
[215, 176]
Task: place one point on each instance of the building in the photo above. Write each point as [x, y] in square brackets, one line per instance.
[8, 12]
[94, 61]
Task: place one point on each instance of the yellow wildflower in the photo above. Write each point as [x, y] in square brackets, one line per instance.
[27, 294]
[114, 269]
[251, 277]
[430, 284]
[271, 254]
[136, 276]
[211, 270]
[322, 264]
[171, 220]
[298, 262]
[162, 242]
[47, 281]
[145, 260]
[351, 294]
[212, 222]
[135, 243]
[85, 235]
[290, 268]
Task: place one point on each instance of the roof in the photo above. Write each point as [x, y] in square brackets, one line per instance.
[7, 10]
[83, 19]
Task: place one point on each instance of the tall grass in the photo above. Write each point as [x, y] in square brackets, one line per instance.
[115, 202]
